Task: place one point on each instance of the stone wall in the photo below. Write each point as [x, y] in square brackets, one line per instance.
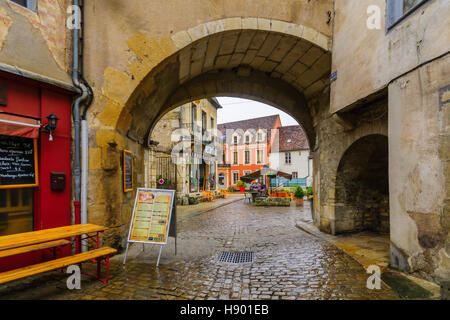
[379, 55]
[333, 140]
[419, 143]
[108, 204]
[38, 42]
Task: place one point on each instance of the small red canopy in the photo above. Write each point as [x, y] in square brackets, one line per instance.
[19, 126]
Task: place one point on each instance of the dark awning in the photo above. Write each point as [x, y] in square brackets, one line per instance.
[265, 172]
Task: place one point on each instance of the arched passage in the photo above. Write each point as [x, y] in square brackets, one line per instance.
[279, 63]
[362, 187]
[276, 68]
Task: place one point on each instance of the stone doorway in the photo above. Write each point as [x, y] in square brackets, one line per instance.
[362, 187]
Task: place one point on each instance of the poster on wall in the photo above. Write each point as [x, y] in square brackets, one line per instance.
[18, 162]
[127, 171]
[151, 216]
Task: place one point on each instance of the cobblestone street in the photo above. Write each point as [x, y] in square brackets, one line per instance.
[289, 264]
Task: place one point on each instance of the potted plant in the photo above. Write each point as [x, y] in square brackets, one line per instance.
[298, 195]
[241, 185]
[193, 200]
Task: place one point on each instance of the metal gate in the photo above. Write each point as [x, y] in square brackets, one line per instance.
[166, 173]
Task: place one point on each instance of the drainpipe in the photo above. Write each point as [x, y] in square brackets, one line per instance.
[84, 132]
[79, 217]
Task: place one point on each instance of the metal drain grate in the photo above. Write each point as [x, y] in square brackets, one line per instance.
[236, 257]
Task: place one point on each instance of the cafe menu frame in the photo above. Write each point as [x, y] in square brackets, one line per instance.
[18, 161]
[151, 217]
[128, 183]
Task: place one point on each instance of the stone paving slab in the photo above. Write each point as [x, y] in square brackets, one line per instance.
[289, 264]
[368, 249]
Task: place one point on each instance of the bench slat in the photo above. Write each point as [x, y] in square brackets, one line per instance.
[54, 264]
[36, 247]
[35, 237]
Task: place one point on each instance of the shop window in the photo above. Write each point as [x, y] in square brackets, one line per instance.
[397, 10]
[29, 4]
[16, 211]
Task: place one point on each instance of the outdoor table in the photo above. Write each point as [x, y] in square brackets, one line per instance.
[48, 235]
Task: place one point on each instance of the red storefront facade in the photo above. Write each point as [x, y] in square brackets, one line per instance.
[42, 207]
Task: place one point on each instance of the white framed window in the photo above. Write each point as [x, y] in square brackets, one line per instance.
[247, 138]
[259, 156]
[294, 175]
[247, 157]
[29, 4]
[397, 10]
[235, 140]
[260, 136]
[287, 158]
[235, 177]
[235, 157]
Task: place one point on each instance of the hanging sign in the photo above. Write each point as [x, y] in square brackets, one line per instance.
[18, 162]
[127, 171]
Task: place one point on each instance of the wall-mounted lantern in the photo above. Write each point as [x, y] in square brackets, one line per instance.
[51, 125]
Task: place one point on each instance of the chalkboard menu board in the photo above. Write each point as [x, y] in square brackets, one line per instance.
[18, 162]
[127, 171]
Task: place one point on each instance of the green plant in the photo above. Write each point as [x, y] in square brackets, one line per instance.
[309, 191]
[299, 193]
[241, 183]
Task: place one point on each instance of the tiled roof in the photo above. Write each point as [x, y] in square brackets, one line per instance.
[292, 138]
[268, 123]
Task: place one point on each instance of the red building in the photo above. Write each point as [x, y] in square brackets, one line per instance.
[30, 157]
[246, 146]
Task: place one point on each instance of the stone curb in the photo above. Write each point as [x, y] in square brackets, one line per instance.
[207, 210]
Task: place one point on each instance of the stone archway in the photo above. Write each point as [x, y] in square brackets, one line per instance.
[362, 187]
[279, 63]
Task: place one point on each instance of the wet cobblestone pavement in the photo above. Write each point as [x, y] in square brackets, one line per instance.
[289, 264]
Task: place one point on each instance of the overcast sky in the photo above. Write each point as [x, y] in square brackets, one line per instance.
[236, 109]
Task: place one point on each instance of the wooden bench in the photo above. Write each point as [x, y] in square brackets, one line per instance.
[29, 271]
[53, 238]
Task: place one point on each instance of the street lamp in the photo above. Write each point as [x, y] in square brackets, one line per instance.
[51, 125]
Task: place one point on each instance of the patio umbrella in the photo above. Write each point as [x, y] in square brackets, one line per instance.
[265, 172]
